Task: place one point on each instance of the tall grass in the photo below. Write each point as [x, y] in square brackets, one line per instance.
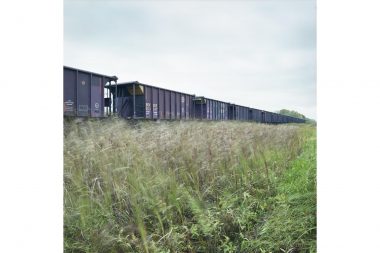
[188, 187]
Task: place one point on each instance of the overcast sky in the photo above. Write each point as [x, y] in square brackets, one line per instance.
[260, 54]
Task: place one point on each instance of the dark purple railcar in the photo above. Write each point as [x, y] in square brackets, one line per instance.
[200, 108]
[237, 112]
[266, 117]
[286, 119]
[274, 118]
[83, 92]
[150, 102]
[278, 118]
[209, 109]
[281, 118]
[263, 118]
[172, 105]
[245, 113]
[161, 103]
[84, 96]
[167, 104]
[231, 112]
[188, 107]
[178, 105]
[255, 115]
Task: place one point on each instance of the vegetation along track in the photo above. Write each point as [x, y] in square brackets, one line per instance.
[189, 187]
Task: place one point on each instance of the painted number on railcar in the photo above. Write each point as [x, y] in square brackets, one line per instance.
[83, 108]
[155, 111]
[147, 110]
[69, 106]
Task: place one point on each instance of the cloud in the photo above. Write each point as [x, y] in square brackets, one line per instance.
[255, 53]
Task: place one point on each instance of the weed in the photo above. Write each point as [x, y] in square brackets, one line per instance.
[188, 187]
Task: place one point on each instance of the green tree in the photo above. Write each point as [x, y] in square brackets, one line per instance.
[296, 115]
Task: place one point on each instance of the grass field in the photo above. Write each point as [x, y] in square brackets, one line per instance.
[189, 187]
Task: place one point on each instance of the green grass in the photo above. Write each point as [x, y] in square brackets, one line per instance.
[189, 187]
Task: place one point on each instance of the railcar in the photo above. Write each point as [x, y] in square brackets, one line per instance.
[89, 94]
[255, 115]
[135, 100]
[238, 112]
[210, 109]
[83, 92]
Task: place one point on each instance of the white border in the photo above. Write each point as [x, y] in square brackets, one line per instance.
[31, 186]
[348, 94]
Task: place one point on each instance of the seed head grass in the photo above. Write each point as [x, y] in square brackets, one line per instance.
[188, 187]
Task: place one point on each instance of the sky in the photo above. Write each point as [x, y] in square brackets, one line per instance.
[258, 53]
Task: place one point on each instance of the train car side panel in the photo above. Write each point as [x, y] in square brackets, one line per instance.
[69, 91]
[97, 94]
[84, 94]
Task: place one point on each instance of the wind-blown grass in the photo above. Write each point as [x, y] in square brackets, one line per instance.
[188, 187]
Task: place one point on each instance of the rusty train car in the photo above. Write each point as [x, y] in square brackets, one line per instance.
[89, 94]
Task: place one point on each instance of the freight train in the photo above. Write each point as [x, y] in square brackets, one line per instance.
[89, 94]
